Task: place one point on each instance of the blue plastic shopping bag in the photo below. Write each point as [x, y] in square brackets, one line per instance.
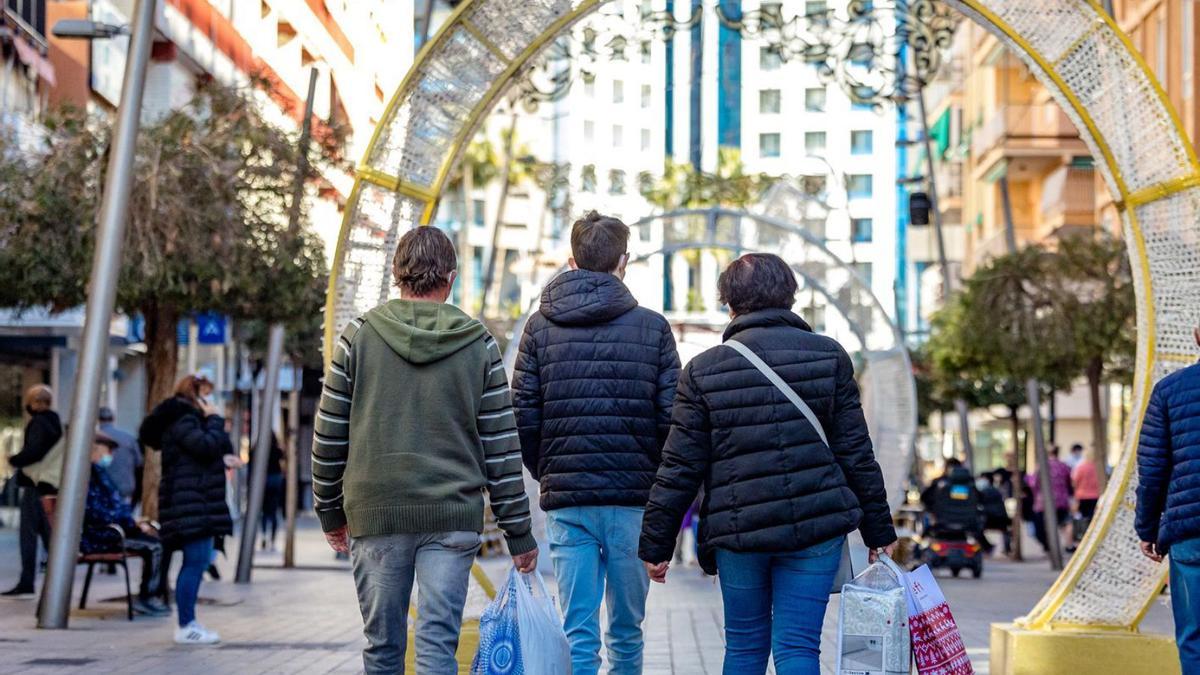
[520, 631]
[499, 636]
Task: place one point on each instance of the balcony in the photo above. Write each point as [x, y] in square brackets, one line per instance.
[1032, 132]
[1068, 199]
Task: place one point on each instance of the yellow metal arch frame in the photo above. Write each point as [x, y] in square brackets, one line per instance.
[1075, 49]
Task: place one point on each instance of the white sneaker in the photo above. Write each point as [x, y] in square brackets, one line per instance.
[195, 634]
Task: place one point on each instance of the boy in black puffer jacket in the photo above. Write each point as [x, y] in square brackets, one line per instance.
[592, 390]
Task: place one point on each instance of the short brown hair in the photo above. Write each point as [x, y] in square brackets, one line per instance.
[424, 260]
[757, 281]
[598, 242]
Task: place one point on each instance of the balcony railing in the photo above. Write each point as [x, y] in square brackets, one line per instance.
[1023, 123]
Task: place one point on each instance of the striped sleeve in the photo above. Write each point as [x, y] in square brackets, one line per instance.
[502, 456]
[331, 432]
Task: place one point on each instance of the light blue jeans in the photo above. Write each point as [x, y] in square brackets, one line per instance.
[1185, 602]
[595, 555]
[384, 569]
[775, 602]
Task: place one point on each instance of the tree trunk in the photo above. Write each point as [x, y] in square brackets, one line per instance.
[1095, 373]
[964, 428]
[1018, 484]
[489, 275]
[162, 357]
[1045, 486]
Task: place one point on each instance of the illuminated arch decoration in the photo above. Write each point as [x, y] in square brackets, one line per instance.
[1071, 46]
[885, 374]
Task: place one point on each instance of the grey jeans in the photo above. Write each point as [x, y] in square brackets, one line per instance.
[384, 569]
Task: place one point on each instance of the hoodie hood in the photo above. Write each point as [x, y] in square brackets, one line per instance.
[583, 298]
[424, 332]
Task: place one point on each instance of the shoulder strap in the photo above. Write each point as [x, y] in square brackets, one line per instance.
[782, 386]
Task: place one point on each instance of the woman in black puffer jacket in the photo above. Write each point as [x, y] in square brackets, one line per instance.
[777, 502]
[191, 497]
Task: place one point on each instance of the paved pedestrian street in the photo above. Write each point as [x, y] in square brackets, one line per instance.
[307, 620]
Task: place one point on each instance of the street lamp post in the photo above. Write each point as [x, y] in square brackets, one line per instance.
[55, 602]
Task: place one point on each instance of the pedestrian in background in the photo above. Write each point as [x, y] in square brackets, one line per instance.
[127, 459]
[36, 480]
[593, 388]
[1061, 490]
[191, 497]
[1168, 498]
[779, 498]
[272, 495]
[417, 388]
[1085, 479]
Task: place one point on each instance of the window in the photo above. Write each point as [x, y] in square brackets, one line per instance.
[768, 145]
[814, 99]
[861, 230]
[618, 137]
[769, 59]
[859, 185]
[864, 271]
[814, 142]
[645, 140]
[769, 101]
[616, 182]
[587, 179]
[861, 54]
[645, 184]
[1187, 45]
[861, 105]
[647, 9]
[646, 95]
[862, 142]
[618, 91]
[772, 13]
[816, 10]
[1160, 47]
[644, 50]
[589, 86]
[589, 131]
[478, 207]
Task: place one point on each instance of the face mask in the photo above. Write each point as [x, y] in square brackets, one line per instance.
[29, 409]
[105, 462]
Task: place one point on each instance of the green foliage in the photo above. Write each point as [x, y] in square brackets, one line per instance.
[1097, 288]
[682, 187]
[207, 225]
[1037, 313]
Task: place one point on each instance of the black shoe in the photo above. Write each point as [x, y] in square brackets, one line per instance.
[18, 591]
[214, 572]
[151, 607]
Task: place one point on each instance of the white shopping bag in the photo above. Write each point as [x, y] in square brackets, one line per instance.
[873, 636]
[544, 646]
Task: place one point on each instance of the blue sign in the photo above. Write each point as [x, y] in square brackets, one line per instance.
[210, 328]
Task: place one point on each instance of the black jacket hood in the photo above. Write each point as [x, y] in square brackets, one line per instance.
[161, 418]
[583, 298]
[763, 318]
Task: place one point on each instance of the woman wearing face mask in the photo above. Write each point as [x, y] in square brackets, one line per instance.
[42, 432]
[192, 508]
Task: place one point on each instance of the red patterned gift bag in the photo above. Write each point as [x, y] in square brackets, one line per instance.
[937, 645]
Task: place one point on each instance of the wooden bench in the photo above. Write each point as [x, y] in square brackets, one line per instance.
[107, 558]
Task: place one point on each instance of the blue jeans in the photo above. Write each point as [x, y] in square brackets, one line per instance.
[1185, 602]
[384, 569]
[196, 556]
[775, 602]
[595, 555]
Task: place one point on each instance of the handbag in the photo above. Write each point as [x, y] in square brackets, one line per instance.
[846, 565]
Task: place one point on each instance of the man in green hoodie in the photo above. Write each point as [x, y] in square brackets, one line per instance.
[415, 423]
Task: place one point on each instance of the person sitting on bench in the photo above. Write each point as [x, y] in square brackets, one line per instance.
[106, 508]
